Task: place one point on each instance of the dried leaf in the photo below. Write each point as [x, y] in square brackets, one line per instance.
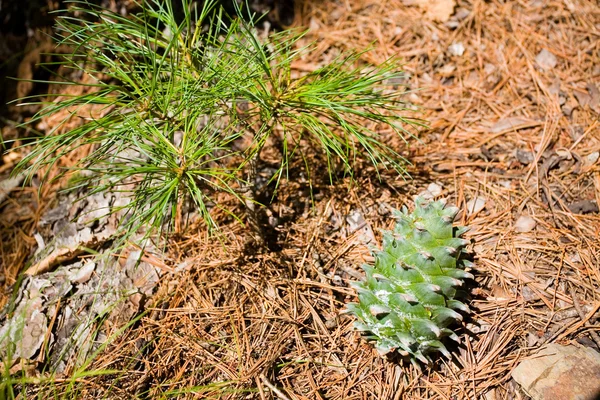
[513, 123]
[9, 184]
[546, 60]
[475, 205]
[594, 97]
[436, 10]
[584, 207]
[583, 98]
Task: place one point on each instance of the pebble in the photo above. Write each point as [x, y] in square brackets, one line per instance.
[331, 323]
[415, 99]
[435, 189]
[475, 205]
[560, 372]
[457, 49]
[461, 13]
[546, 60]
[505, 184]
[592, 158]
[525, 224]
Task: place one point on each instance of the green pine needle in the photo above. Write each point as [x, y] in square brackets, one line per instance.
[176, 94]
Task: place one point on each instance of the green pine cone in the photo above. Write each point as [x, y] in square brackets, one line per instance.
[410, 296]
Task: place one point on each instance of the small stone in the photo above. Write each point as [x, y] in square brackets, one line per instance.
[489, 68]
[461, 13]
[435, 189]
[356, 222]
[457, 49]
[505, 184]
[546, 60]
[490, 395]
[524, 157]
[415, 99]
[528, 294]
[525, 224]
[9, 184]
[331, 323]
[592, 158]
[560, 372]
[474, 206]
[532, 339]
[384, 209]
[447, 70]
[337, 280]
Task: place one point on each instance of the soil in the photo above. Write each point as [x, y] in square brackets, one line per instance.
[511, 93]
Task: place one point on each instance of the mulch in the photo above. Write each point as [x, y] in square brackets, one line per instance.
[513, 140]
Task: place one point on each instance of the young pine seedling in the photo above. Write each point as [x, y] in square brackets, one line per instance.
[188, 99]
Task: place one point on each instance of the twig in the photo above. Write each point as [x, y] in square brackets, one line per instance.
[580, 324]
[587, 323]
[570, 313]
[260, 388]
[278, 392]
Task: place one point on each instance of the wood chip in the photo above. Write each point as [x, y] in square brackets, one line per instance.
[513, 124]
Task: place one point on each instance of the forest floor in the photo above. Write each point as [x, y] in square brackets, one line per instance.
[511, 90]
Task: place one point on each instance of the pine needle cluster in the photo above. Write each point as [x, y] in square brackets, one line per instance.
[189, 98]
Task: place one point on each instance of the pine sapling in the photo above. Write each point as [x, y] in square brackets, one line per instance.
[188, 99]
